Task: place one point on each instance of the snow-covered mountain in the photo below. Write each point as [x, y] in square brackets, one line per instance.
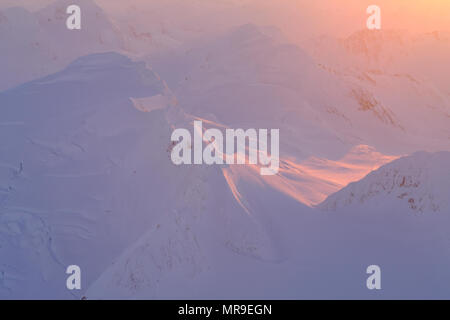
[398, 77]
[88, 180]
[77, 171]
[235, 71]
[326, 253]
[417, 183]
[34, 44]
[322, 110]
[88, 173]
[86, 176]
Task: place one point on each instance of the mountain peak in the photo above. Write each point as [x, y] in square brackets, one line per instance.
[102, 59]
[247, 32]
[98, 76]
[418, 182]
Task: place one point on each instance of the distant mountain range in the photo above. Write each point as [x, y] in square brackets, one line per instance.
[35, 44]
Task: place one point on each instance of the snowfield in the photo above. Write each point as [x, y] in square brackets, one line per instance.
[86, 176]
[96, 187]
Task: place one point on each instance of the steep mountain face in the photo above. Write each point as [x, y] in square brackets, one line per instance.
[365, 49]
[398, 78]
[35, 44]
[249, 77]
[325, 110]
[383, 50]
[309, 248]
[417, 183]
[75, 177]
[88, 180]
[88, 174]
[310, 181]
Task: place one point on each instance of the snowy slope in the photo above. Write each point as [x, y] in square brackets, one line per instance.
[247, 71]
[38, 43]
[88, 180]
[89, 171]
[387, 50]
[399, 78]
[86, 176]
[318, 254]
[417, 183]
[76, 162]
[310, 181]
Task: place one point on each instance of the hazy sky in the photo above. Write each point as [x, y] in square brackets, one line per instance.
[297, 18]
[29, 4]
[300, 18]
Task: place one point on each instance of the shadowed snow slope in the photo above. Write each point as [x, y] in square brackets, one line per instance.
[36, 44]
[77, 165]
[315, 255]
[87, 179]
[88, 173]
